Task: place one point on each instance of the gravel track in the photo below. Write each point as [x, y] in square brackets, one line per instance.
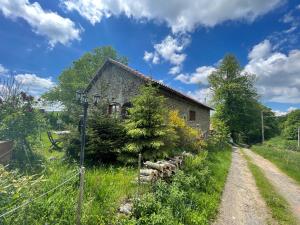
[241, 202]
[285, 185]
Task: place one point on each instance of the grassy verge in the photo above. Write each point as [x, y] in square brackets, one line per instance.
[193, 196]
[288, 161]
[105, 189]
[277, 204]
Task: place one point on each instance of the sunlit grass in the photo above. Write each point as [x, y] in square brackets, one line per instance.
[287, 160]
[277, 204]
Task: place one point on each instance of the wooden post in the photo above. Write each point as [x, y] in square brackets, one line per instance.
[139, 172]
[80, 197]
[298, 137]
[262, 127]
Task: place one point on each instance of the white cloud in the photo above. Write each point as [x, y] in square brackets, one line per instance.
[3, 70]
[175, 70]
[283, 113]
[148, 56]
[46, 23]
[199, 76]
[170, 50]
[261, 50]
[202, 95]
[34, 84]
[278, 73]
[180, 16]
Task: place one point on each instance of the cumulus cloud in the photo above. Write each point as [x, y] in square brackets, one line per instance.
[46, 23]
[180, 16]
[198, 77]
[3, 70]
[170, 50]
[278, 73]
[283, 113]
[203, 95]
[33, 84]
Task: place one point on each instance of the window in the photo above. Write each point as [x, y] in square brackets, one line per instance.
[192, 115]
[113, 108]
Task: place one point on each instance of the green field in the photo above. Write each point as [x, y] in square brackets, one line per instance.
[276, 150]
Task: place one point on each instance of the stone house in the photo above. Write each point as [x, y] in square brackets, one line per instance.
[117, 84]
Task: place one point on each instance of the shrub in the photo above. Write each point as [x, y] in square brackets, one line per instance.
[105, 138]
[189, 138]
[20, 122]
[220, 134]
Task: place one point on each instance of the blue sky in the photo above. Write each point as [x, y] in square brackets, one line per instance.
[177, 42]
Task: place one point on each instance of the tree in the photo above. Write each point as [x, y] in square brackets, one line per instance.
[105, 138]
[146, 126]
[20, 122]
[291, 125]
[235, 99]
[78, 76]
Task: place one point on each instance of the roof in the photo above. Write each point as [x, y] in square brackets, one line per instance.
[145, 78]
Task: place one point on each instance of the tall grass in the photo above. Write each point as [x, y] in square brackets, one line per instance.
[105, 189]
[275, 151]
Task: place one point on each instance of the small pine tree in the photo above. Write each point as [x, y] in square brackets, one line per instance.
[146, 127]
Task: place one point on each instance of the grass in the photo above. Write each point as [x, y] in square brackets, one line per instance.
[278, 206]
[105, 189]
[276, 151]
[192, 197]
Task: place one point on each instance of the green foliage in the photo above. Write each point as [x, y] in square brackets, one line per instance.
[14, 186]
[220, 135]
[105, 190]
[278, 205]
[235, 100]
[192, 197]
[146, 128]
[20, 122]
[190, 139]
[291, 125]
[78, 76]
[105, 138]
[276, 150]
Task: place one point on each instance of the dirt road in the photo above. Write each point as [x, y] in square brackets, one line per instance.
[285, 186]
[241, 202]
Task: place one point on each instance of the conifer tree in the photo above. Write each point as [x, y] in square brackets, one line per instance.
[146, 126]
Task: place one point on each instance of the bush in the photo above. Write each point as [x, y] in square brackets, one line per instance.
[220, 134]
[105, 138]
[20, 122]
[190, 139]
[291, 125]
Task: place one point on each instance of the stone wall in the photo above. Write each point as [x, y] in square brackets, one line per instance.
[119, 85]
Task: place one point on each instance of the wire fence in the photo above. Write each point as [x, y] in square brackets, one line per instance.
[27, 202]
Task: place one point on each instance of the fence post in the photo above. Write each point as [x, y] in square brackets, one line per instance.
[80, 198]
[298, 137]
[139, 172]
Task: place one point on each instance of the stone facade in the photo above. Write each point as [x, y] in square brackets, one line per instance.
[117, 84]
